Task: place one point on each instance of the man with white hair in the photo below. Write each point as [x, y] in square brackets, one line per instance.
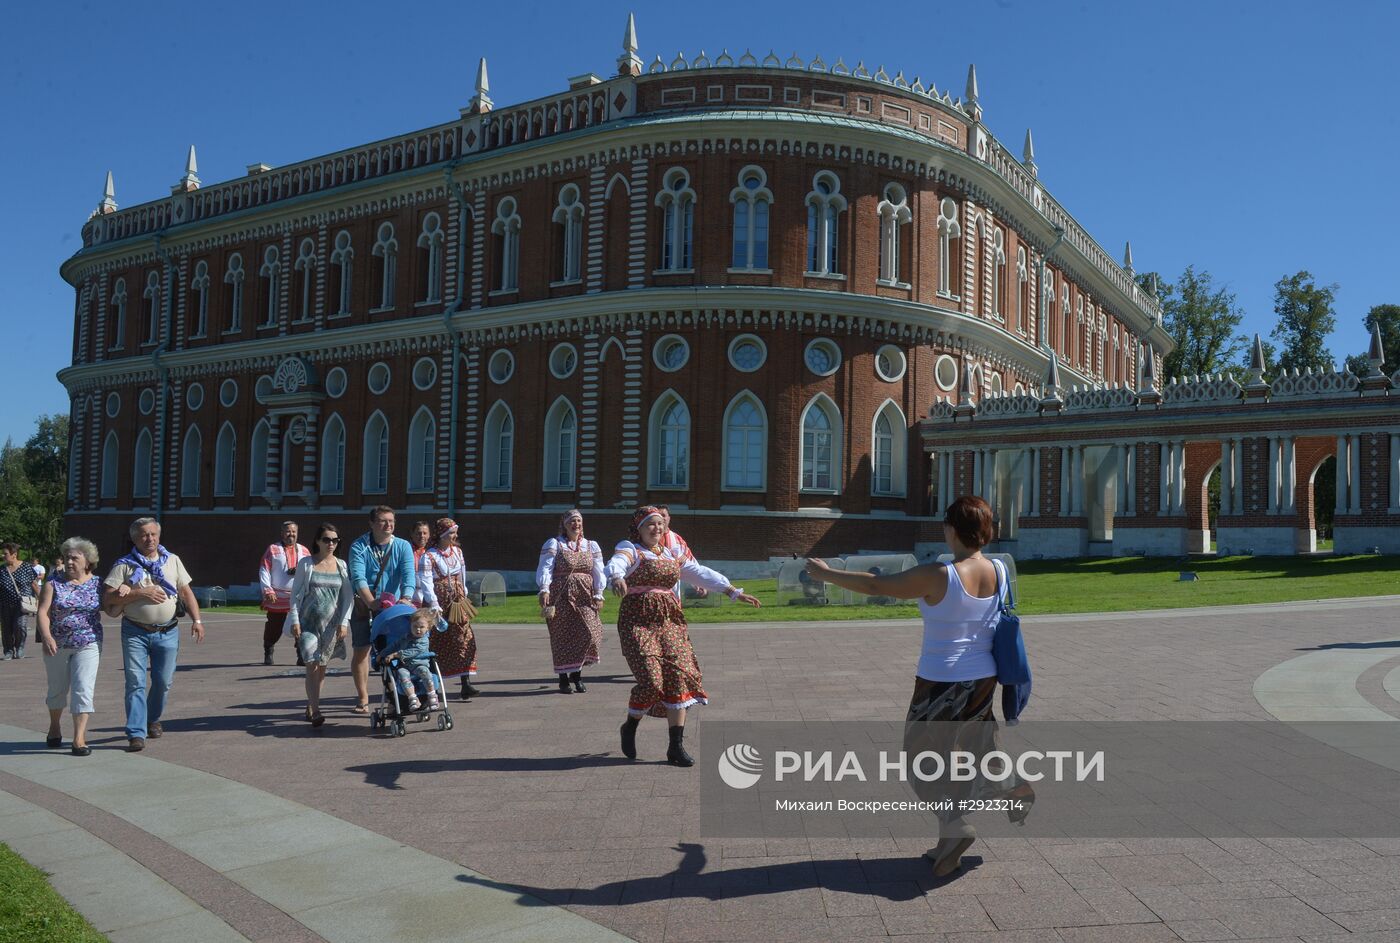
[275, 572]
[142, 590]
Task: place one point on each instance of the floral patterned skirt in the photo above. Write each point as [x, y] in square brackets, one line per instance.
[656, 644]
[575, 632]
[456, 648]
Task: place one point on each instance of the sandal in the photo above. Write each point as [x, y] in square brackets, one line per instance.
[360, 709]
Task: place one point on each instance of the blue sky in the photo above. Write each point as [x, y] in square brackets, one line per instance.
[1249, 139]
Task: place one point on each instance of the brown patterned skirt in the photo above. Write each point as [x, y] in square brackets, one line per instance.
[656, 644]
[456, 648]
[954, 715]
[575, 632]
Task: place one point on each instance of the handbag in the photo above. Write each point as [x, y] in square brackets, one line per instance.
[1009, 653]
[27, 604]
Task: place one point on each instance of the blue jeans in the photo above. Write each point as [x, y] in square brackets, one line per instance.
[142, 650]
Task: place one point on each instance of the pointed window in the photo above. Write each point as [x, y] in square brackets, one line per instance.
[752, 200]
[430, 241]
[386, 249]
[889, 441]
[224, 459]
[560, 440]
[333, 457]
[820, 460]
[1023, 290]
[151, 308]
[422, 445]
[271, 273]
[343, 260]
[949, 249]
[374, 477]
[506, 230]
[119, 314]
[997, 249]
[191, 456]
[305, 266]
[141, 466]
[200, 286]
[111, 463]
[677, 202]
[257, 459]
[568, 217]
[894, 215]
[824, 207]
[233, 296]
[670, 443]
[500, 448]
[745, 444]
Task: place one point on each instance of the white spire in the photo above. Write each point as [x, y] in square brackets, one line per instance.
[1128, 257]
[629, 63]
[109, 197]
[1376, 353]
[190, 181]
[1028, 155]
[974, 105]
[1256, 362]
[481, 101]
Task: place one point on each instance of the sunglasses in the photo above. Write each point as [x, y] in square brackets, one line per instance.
[330, 540]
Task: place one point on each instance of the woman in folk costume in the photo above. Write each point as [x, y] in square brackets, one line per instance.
[442, 585]
[570, 579]
[653, 632]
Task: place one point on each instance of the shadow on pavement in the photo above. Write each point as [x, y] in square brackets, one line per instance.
[1352, 646]
[386, 775]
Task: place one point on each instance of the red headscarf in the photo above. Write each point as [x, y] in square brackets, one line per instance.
[564, 519]
[441, 526]
[640, 517]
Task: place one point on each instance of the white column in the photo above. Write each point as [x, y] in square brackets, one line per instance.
[1180, 478]
[1064, 482]
[1394, 474]
[977, 473]
[1273, 475]
[1120, 485]
[950, 478]
[1237, 465]
[1343, 474]
[1132, 479]
[1077, 483]
[1227, 476]
[1356, 489]
[1033, 476]
[1290, 475]
[989, 476]
[1164, 479]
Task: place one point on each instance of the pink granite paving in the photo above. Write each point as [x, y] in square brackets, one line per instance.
[530, 788]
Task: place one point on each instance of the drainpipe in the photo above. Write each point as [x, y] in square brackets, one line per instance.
[162, 377]
[455, 190]
[1040, 285]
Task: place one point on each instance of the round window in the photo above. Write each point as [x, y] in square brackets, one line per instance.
[562, 361]
[378, 378]
[114, 405]
[747, 353]
[424, 373]
[145, 402]
[228, 393]
[822, 357]
[194, 396]
[336, 382]
[501, 366]
[263, 389]
[889, 363]
[945, 372]
[671, 353]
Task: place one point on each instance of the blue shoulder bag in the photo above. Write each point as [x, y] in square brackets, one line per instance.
[1009, 653]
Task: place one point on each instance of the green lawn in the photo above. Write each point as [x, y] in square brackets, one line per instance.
[32, 911]
[1065, 586]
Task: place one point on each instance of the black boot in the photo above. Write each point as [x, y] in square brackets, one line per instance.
[577, 678]
[564, 683]
[675, 754]
[629, 737]
[267, 655]
[469, 690]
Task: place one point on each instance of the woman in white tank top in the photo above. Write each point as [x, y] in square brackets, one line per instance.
[955, 681]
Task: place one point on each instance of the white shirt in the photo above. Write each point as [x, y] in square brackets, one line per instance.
[958, 632]
[436, 564]
[544, 574]
[628, 556]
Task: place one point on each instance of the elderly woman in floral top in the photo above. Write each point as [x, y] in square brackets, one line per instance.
[70, 629]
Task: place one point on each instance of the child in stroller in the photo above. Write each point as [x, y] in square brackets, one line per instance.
[399, 638]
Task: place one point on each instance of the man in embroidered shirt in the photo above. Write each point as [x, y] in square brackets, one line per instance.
[381, 573]
[279, 565]
[677, 547]
[141, 590]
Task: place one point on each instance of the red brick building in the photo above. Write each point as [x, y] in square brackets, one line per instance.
[733, 286]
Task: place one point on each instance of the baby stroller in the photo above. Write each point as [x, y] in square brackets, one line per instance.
[388, 627]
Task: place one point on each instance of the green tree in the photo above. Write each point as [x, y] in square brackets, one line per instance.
[34, 488]
[1203, 322]
[1305, 317]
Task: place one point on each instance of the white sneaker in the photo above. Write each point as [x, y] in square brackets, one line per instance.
[413, 703]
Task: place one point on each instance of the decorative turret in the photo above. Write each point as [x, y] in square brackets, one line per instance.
[1256, 387]
[629, 63]
[1128, 258]
[1375, 383]
[967, 404]
[1028, 156]
[1147, 392]
[481, 101]
[109, 197]
[190, 181]
[1050, 396]
[974, 106]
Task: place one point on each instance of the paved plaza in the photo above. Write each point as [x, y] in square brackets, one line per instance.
[525, 823]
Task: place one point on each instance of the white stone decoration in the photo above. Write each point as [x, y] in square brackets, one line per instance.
[945, 373]
[1006, 406]
[1202, 390]
[291, 376]
[1300, 385]
[1100, 397]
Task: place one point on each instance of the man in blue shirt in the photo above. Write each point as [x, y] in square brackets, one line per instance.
[381, 573]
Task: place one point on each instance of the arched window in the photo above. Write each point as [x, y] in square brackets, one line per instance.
[500, 448]
[752, 200]
[386, 249]
[568, 216]
[464, 253]
[225, 449]
[894, 213]
[949, 249]
[821, 446]
[1066, 322]
[141, 466]
[888, 444]
[271, 272]
[422, 445]
[111, 462]
[374, 473]
[151, 308]
[560, 438]
[191, 456]
[824, 207]
[257, 459]
[430, 241]
[669, 441]
[233, 278]
[119, 317]
[997, 249]
[1023, 290]
[677, 202]
[200, 286]
[745, 444]
[333, 457]
[305, 267]
[343, 258]
[506, 229]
